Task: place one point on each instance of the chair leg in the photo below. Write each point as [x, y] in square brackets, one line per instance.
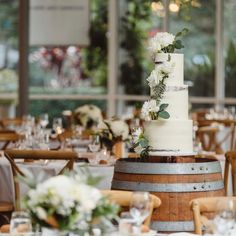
[4, 219]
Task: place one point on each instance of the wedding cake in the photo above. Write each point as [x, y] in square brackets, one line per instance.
[167, 128]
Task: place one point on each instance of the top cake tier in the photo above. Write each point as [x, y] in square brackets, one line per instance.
[177, 77]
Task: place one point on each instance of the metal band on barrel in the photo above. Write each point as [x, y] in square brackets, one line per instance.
[168, 168]
[175, 187]
[180, 226]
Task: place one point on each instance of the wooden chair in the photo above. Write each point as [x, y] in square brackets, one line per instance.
[31, 155]
[229, 136]
[123, 198]
[5, 229]
[208, 205]
[230, 160]
[11, 122]
[207, 136]
[9, 137]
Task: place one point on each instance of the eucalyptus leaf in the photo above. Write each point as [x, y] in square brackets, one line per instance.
[164, 114]
[163, 106]
[182, 33]
[178, 44]
[143, 143]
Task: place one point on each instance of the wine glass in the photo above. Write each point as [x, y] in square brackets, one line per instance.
[20, 224]
[140, 207]
[224, 222]
[57, 125]
[95, 145]
[44, 120]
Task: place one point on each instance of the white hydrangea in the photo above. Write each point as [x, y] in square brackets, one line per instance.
[88, 112]
[149, 106]
[160, 41]
[165, 39]
[120, 128]
[63, 194]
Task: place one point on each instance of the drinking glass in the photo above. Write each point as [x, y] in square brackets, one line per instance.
[43, 120]
[224, 222]
[20, 224]
[57, 125]
[140, 207]
[95, 145]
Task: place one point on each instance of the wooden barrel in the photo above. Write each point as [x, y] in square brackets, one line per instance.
[176, 181]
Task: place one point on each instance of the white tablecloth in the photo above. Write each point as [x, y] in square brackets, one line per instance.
[49, 169]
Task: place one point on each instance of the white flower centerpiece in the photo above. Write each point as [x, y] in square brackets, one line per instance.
[154, 108]
[113, 132]
[88, 116]
[69, 204]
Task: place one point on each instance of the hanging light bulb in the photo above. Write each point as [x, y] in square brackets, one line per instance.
[173, 7]
[157, 6]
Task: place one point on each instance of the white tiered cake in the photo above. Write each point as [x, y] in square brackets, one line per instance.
[171, 136]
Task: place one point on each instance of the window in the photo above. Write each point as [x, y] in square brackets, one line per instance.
[8, 56]
[229, 48]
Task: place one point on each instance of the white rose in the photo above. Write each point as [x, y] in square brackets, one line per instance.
[149, 106]
[153, 79]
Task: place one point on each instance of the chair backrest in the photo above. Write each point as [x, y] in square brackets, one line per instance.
[200, 206]
[5, 123]
[30, 155]
[230, 160]
[9, 137]
[207, 136]
[123, 198]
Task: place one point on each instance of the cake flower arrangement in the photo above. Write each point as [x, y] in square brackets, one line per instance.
[88, 116]
[76, 207]
[154, 109]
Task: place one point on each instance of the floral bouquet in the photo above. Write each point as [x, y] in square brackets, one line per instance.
[113, 131]
[88, 116]
[69, 204]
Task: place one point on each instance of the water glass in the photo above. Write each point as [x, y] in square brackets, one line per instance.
[57, 125]
[126, 224]
[43, 120]
[140, 206]
[95, 145]
[20, 224]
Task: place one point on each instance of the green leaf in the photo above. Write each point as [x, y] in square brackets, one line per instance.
[182, 33]
[163, 106]
[164, 114]
[143, 143]
[178, 44]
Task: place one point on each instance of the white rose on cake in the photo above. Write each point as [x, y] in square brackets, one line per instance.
[161, 71]
[148, 108]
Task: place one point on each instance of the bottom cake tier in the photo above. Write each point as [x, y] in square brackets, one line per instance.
[169, 137]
